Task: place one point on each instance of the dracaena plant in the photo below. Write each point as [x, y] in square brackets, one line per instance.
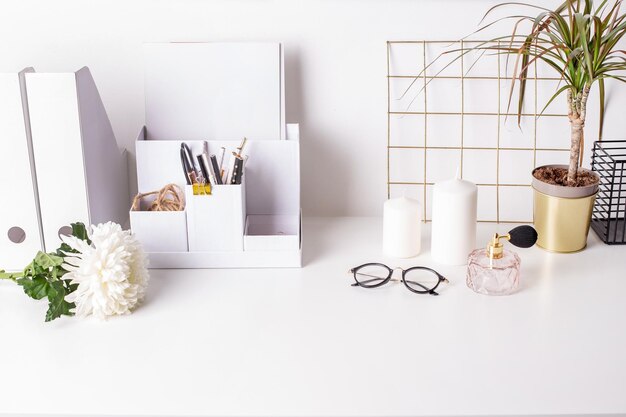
[579, 40]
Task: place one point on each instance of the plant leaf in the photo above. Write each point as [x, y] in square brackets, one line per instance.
[581, 23]
[48, 260]
[80, 231]
[602, 107]
[57, 306]
[554, 96]
[65, 248]
[36, 288]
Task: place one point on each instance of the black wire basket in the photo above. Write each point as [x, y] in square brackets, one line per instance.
[609, 211]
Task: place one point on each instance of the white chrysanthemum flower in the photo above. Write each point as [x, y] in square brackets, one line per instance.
[111, 272]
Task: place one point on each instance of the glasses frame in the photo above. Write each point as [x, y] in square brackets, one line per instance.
[384, 281]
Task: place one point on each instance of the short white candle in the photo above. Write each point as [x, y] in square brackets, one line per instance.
[453, 221]
[401, 228]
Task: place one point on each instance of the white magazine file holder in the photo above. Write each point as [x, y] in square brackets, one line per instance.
[82, 175]
[253, 225]
[59, 162]
[20, 230]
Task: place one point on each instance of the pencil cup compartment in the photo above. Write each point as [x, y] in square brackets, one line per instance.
[272, 233]
[215, 222]
[159, 231]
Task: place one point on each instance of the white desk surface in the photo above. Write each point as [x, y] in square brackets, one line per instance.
[303, 342]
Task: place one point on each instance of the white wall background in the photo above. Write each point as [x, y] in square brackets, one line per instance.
[335, 64]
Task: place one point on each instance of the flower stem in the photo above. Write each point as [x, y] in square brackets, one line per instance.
[13, 277]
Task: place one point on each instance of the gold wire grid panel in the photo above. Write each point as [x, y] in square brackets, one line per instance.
[442, 117]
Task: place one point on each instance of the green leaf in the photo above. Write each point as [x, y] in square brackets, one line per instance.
[65, 248]
[582, 22]
[57, 272]
[43, 277]
[80, 231]
[602, 107]
[48, 260]
[36, 288]
[554, 96]
[30, 269]
[600, 7]
[69, 287]
[57, 306]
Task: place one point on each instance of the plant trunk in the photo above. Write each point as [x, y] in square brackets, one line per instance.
[577, 128]
[577, 111]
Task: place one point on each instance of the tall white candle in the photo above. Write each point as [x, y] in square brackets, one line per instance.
[453, 221]
[402, 231]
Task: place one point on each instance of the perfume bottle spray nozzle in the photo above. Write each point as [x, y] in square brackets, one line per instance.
[521, 236]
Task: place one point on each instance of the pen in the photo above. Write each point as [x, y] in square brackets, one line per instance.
[190, 159]
[220, 158]
[224, 172]
[206, 174]
[190, 174]
[237, 171]
[231, 168]
[216, 170]
[185, 165]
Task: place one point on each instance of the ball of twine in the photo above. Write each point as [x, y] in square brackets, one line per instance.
[168, 198]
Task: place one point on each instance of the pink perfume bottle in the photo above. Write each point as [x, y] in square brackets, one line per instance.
[495, 270]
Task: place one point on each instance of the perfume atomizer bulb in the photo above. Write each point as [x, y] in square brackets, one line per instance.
[521, 236]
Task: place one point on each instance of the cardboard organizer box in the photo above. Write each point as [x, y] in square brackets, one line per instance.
[218, 93]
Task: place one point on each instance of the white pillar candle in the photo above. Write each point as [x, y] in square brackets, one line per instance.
[453, 221]
[401, 228]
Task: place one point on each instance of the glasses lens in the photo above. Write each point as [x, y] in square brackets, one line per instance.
[371, 275]
[421, 280]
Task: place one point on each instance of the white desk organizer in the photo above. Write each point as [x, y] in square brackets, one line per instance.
[219, 93]
[62, 161]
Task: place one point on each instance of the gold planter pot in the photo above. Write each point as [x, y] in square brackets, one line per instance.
[562, 215]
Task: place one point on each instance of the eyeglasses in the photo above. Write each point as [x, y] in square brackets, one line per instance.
[419, 279]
